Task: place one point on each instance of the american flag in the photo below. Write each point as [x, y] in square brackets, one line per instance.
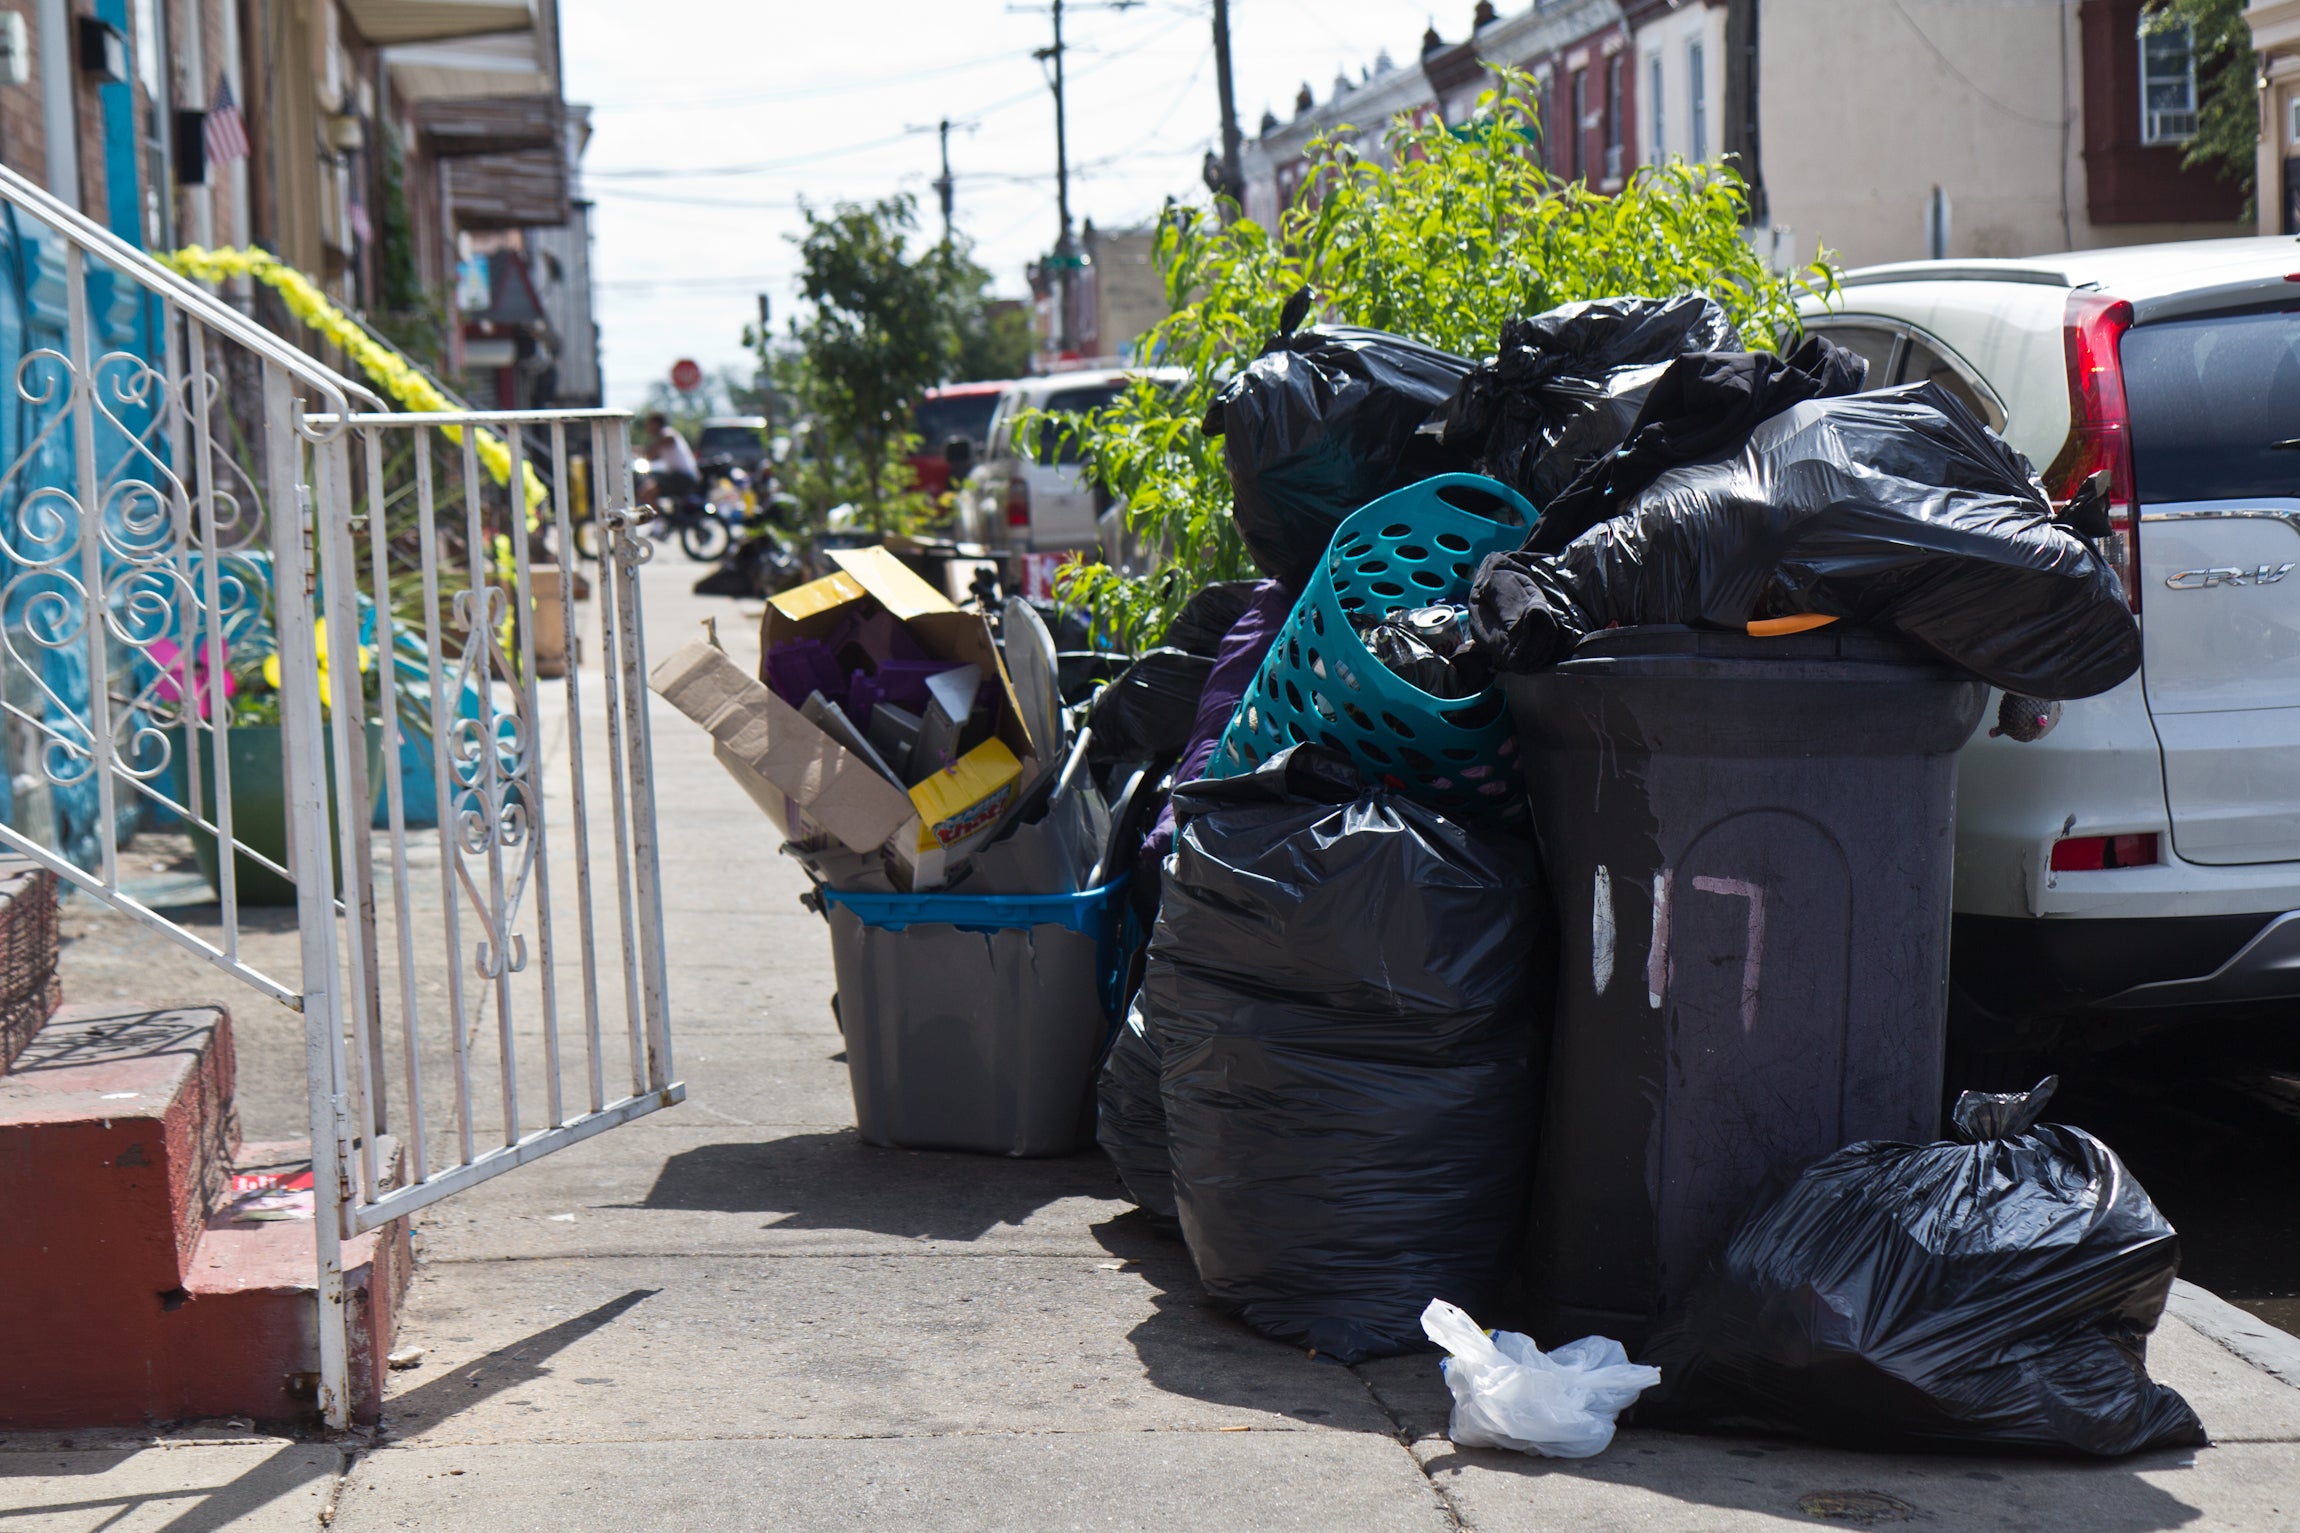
[227, 132]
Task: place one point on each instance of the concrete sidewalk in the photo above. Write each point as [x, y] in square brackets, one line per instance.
[736, 1315]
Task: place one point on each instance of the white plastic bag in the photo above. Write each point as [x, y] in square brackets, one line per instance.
[1508, 1393]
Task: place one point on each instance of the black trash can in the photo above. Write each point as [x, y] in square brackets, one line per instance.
[1750, 844]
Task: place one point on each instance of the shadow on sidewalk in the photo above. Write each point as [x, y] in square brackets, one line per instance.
[522, 1362]
[1778, 1478]
[833, 1181]
[212, 1509]
[1188, 1347]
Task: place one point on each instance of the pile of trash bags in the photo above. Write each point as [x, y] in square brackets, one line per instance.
[1681, 479]
[1328, 1079]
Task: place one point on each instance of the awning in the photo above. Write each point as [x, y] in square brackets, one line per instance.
[385, 22]
[508, 65]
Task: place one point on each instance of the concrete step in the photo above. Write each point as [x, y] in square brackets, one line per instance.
[152, 1269]
[249, 1341]
[116, 1139]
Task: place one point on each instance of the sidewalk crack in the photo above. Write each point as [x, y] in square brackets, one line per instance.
[1398, 1430]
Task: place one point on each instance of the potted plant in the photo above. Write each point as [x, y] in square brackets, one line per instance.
[255, 752]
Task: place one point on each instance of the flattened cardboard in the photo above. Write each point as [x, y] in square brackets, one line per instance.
[786, 755]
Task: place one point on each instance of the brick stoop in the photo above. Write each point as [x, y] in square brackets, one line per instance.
[30, 992]
[155, 1269]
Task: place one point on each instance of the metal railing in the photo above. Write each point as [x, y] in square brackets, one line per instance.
[221, 562]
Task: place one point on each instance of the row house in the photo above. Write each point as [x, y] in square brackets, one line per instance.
[2276, 38]
[1879, 129]
[379, 147]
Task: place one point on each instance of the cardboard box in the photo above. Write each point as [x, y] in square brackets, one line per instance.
[786, 762]
[781, 760]
[948, 633]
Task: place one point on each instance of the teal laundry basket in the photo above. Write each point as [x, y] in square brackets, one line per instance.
[1415, 547]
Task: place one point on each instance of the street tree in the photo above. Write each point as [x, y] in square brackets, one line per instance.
[1456, 230]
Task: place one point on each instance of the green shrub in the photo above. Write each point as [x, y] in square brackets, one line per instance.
[1460, 230]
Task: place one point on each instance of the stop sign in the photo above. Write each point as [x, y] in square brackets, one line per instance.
[686, 376]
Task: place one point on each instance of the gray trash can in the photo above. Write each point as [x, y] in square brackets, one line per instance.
[974, 1022]
[1750, 845]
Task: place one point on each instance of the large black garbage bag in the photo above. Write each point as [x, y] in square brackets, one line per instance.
[1897, 510]
[1702, 406]
[1350, 992]
[1991, 1294]
[1130, 1117]
[1206, 616]
[1146, 714]
[1564, 387]
[1323, 421]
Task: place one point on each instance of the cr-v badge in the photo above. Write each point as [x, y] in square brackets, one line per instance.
[2200, 580]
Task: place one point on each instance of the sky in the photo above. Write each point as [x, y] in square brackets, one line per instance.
[712, 119]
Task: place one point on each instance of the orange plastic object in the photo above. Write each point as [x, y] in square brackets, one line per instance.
[1775, 627]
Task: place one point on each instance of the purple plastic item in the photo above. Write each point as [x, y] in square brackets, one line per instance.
[900, 682]
[801, 666]
[1243, 649]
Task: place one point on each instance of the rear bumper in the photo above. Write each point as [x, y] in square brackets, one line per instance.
[2267, 968]
[2013, 967]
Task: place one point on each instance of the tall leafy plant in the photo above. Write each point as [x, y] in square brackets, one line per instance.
[1454, 231]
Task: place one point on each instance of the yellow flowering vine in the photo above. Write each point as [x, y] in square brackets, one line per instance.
[392, 373]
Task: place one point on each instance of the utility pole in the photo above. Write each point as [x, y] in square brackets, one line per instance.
[942, 186]
[945, 185]
[1233, 177]
[1065, 244]
[1065, 259]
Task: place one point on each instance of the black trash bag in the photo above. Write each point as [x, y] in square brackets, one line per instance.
[1702, 406]
[1896, 510]
[1350, 995]
[1564, 387]
[1146, 714]
[1207, 616]
[1130, 1117]
[1323, 421]
[1996, 1293]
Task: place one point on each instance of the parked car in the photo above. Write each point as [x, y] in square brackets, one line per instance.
[1041, 504]
[2143, 858]
[954, 412]
[742, 438]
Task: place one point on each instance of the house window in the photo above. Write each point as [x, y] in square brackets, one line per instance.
[2167, 82]
[1697, 80]
[1656, 148]
[1615, 73]
[1574, 167]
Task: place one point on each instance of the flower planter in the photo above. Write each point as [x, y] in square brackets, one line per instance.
[260, 808]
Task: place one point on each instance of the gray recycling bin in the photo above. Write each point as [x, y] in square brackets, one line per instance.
[975, 1021]
[1750, 844]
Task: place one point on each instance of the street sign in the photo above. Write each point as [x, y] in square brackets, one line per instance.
[686, 376]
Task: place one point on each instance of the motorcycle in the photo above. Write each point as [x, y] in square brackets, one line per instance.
[705, 514]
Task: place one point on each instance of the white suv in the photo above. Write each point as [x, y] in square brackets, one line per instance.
[2144, 856]
[1041, 503]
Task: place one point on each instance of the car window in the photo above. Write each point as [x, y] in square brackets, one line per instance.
[966, 415]
[736, 441]
[2215, 406]
[1874, 343]
[1052, 445]
[1923, 364]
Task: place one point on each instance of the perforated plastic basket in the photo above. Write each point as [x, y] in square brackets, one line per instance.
[1414, 547]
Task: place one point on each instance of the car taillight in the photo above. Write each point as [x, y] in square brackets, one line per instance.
[2092, 854]
[1017, 503]
[2100, 426]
